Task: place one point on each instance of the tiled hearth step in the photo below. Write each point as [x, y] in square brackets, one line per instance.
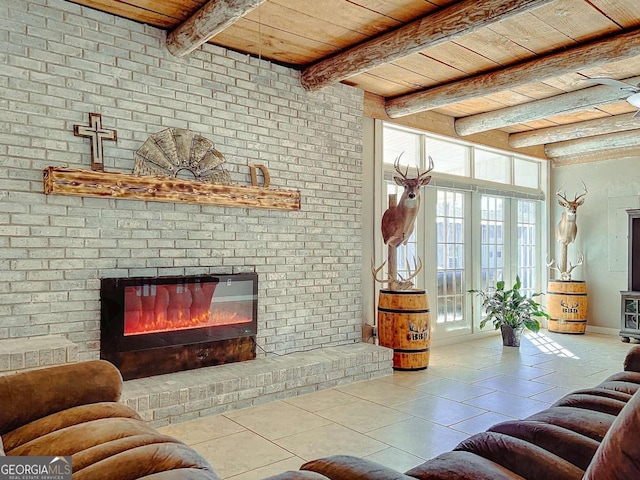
[20, 354]
[182, 396]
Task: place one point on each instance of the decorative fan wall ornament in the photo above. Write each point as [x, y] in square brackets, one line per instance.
[634, 90]
[171, 152]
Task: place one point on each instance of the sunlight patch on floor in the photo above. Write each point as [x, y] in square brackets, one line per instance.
[550, 347]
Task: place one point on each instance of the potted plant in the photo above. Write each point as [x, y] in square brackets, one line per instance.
[511, 311]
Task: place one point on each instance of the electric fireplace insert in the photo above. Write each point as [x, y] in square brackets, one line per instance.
[151, 326]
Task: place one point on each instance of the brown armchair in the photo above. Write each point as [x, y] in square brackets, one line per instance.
[73, 410]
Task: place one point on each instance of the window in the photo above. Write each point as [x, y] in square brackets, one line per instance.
[479, 222]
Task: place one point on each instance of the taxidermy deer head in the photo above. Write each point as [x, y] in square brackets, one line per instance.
[566, 229]
[398, 221]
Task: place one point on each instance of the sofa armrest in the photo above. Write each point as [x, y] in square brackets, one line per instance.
[632, 360]
[27, 396]
[347, 467]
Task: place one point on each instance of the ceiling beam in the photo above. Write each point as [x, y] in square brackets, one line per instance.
[587, 128]
[442, 26]
[619, 47]
[596, 156]
[211, 19]
[547, 107]
[612, 141]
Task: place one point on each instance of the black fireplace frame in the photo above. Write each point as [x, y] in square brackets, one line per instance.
[148, 354]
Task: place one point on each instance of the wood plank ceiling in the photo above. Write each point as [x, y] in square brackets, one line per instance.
[514, 66]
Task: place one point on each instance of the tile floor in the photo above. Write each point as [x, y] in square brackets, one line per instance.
[408, 417]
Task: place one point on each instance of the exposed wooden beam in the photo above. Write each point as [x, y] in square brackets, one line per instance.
[211, 19]
[546, 107]
[596, 156]
[572, 148]
[588, 128]
[442, 26]
[619, 47]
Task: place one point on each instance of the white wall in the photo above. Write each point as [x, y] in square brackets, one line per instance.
[61, 61]
[614, 186]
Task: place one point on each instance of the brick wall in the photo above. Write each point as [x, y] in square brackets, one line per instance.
[62, 61]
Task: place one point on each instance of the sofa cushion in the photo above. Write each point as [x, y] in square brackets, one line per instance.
[519, 456]
[461, 466]
[146, 460]
[30, 395]
[618, 457]
[565, 443]
[76, 438]
[589, 423]
[347, 467]
[598, 403]
[64, 419]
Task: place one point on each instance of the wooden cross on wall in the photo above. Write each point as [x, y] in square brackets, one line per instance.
[98, 135]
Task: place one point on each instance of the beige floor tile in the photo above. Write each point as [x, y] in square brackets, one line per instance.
[507, 404]
[480, 423]
[518, 370]
[439, 410]
[397, 459]
[464, 374]
[574, 382]
[240, 452]
[275, 468]
[554, 394]
[411, 379]
[379, 391]
[452, 390]
[330, 439]
[513, 385]
[202, 429]
[322, 400]
[278, 419]
[363, 416]
[419, 437]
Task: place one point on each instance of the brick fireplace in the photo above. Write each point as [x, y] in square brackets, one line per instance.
[156, 325]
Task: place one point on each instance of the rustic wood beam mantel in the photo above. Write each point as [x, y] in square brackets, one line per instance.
[612, 141]
[619, 47]
[445, 25]
[547, 107]
[89, 183]
[211, 19]
[587, 128]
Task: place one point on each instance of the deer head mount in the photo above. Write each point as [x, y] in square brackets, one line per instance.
[567, 229]
[398, 221]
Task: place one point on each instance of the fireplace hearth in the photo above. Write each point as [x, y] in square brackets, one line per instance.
[150, 326]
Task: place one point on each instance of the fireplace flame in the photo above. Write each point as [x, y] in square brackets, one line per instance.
[178, 307]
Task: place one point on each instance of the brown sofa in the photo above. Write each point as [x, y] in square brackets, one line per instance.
[589, 434]
[73, 410]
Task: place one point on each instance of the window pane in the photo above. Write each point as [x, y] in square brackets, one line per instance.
[527, 245]
[525, 173]
[449, 157]
[450, 261]
[397, 142]
[492, 166]
[491, 225]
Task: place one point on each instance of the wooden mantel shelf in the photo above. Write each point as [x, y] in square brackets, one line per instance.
[89, 183]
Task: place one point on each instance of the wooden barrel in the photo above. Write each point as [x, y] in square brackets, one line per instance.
[404, 324]
[567, 305]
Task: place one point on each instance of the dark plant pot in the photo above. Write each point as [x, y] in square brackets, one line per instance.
[511, 336]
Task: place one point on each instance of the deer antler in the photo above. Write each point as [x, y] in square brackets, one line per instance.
[396, 165]
[584, 186]
[402, 284]
[567, 275]
[417, 264]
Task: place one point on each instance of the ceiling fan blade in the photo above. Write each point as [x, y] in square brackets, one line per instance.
[613, 83]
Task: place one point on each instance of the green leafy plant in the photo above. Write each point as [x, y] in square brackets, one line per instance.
[510, 307]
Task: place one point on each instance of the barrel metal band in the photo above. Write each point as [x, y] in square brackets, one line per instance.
[564, 320]
[395, 310]
[403, 350]
[567, 293]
